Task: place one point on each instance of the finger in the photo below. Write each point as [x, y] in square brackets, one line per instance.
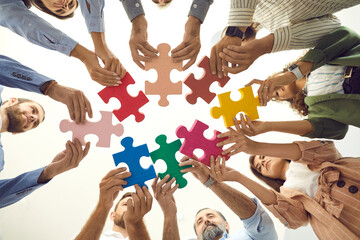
[79, 108]
[213, 60]
[219, 67]
[130, 209]
[71, 110]
[150, 50]
[254, 81]
[172, 190]
[236, 124]
[230, 149]
[114, 172]
[224, 64]
[184, 158]
[88, 107]
[236, 48]
[149, 199]
[86, 149]
[167, 186]
[154, 183]
[146, 52]
[190, 162]
[235, 152]
[177, 49]
[189, 63]
[237, 69]
[159, 186]
[244, 126]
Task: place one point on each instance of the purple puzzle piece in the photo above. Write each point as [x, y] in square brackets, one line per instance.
[103, 129]
[195, 139]
[131, 156]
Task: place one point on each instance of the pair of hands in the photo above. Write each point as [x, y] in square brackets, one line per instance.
[65, 160]
[188, 49]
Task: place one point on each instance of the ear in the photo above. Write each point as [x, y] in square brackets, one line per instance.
[12, 101]
[227, 226]
[14, 133]
[112, 216]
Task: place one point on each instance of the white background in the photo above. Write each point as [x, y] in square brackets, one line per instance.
[58, 210]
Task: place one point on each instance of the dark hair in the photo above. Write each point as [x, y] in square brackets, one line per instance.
[220, 214]
[128, 194]
[297, 102]
[163, 6]
[40, 5]
[273, 183]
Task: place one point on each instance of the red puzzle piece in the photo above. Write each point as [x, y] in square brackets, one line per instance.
[163, 66]
[103, 129]
[129, 105]
[201, 87]
[195, 139]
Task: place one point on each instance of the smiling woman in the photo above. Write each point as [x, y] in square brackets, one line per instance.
[62, 9]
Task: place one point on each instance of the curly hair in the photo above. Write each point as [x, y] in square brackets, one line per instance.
[40, 5]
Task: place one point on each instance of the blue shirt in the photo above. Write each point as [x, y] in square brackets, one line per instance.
[14, 74]
[258, 227]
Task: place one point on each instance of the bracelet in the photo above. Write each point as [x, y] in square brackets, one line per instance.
[209, 182]
[49, 86]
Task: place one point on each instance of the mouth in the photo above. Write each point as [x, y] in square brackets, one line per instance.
[27, 120]
[267, 165]
[62, 3]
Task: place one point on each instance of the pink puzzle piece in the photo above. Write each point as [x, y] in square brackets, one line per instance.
[163, 66]
[103, 129]
[201, 87]
[195, 139]
[129, 105]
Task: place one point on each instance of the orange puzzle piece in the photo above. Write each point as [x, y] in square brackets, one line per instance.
[163, 65]
[228, 108]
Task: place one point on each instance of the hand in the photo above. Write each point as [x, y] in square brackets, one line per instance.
[240, 142]
[75, 100]
[250, 128]
[65, 160]
[199, 170]
[138, 42]
[111, 62]
[242, 57]
[111, 185]
[163, 193]
[190, 46]
[138, 205]
[98, 74]
[220, 172]
[216, 62]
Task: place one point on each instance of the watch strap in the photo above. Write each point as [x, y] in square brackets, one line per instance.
[209, 182]
[296, 71]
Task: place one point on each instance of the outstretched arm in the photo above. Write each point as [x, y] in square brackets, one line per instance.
[110, 186]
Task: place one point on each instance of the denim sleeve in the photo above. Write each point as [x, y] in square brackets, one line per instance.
[199, 9]
[14, 74]
[133, 8]
[92, 10]
[15, 189]
[15, 16]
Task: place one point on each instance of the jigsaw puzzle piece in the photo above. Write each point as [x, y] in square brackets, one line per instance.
[201, 87]
[194, 139]
[129, 105]
[229, 109]
[166, 152]
[131, 156]
[103, 129]
[163, 66]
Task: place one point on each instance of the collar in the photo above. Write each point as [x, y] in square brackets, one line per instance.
[114, 234]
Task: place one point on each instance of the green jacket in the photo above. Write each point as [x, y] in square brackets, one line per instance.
[340, 47]
[327, 113]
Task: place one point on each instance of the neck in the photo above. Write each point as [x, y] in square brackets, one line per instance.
[120, 230]
[4, 119]
[284, 170]
[300, 84]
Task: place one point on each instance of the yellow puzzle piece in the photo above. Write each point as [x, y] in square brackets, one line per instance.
[228, 108]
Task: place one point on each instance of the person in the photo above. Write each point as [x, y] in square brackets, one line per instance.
[292, 25]
[189, 48]
[16, 16]
[311, 182]
[128, 212]
[21, 115]
[257, 223]
[328, 94]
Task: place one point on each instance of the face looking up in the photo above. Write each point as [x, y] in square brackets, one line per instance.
[210, 225]
[61, 7]
[118, 215]
[269, 166]
[162, 2]
[24, 116]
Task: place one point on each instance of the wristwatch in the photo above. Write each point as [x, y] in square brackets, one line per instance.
[209, 182]
[232, 31]
[296, 71]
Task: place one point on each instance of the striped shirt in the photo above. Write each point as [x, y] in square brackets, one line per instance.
[296, 24]
[327, 79]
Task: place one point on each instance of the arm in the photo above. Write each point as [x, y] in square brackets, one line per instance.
[289, 211]
[163, 193]
[110, 186]
[238, 202]
[137, 207]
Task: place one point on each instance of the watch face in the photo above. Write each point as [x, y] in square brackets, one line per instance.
[292, 67]
[234, 32]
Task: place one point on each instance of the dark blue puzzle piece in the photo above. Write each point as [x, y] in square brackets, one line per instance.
[131, 156]
[167, 152]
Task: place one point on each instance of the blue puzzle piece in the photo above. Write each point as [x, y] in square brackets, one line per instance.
[131, 156]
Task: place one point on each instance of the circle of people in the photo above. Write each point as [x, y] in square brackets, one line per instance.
[310, 182]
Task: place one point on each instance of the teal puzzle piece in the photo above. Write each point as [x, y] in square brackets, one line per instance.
[131, 156]
[166, 152]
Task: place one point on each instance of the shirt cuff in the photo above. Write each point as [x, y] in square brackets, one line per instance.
[282, 38]
[133, 8]
[199, 9]
[95, 24]
[240, 17]
[65, 45]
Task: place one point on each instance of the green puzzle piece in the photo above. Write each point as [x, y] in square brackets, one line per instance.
[166, 152]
